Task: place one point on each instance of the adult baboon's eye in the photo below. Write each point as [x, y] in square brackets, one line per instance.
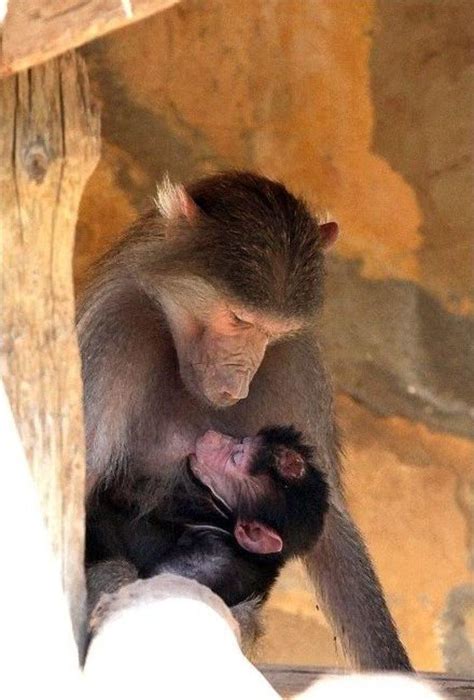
[236, 318]
[239, 321]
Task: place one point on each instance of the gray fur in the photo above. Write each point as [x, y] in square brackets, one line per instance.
[140, 417]
[108, 577]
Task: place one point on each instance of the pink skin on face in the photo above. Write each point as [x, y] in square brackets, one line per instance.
[222, 455]
[230, 350]
[223, 462]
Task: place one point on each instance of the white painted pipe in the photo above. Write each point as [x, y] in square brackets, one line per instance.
[38, 653]
[169, 637]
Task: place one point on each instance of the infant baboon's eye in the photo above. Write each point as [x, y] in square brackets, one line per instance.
[237, 456]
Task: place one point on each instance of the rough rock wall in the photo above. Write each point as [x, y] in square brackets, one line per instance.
[367, 109]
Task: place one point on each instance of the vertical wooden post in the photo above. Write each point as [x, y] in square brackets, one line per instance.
[49, 146]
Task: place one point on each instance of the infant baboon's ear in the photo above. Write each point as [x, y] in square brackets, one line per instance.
[290, 464]
[172, 201]
[257, 538]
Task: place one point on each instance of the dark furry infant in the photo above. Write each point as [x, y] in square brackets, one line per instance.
[239, 510]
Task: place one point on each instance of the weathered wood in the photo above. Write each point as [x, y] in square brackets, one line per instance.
[37, 30]
[49, 146]
[289, 680]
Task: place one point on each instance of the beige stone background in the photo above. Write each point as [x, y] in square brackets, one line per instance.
[367, 109]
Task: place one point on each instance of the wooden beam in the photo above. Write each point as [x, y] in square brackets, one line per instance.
[290, 680]
[37, 30]
[49, 146]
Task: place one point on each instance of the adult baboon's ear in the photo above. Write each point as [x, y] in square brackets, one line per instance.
[172, 201]
[257, 538]
[328, 234]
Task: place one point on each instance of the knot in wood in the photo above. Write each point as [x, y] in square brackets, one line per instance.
[36, 159]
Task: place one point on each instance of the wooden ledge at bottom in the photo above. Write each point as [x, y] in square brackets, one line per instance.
[289, 680]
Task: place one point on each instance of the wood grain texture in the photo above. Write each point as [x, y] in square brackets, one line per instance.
[289, 680]
[49, 146]
[37, 30]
